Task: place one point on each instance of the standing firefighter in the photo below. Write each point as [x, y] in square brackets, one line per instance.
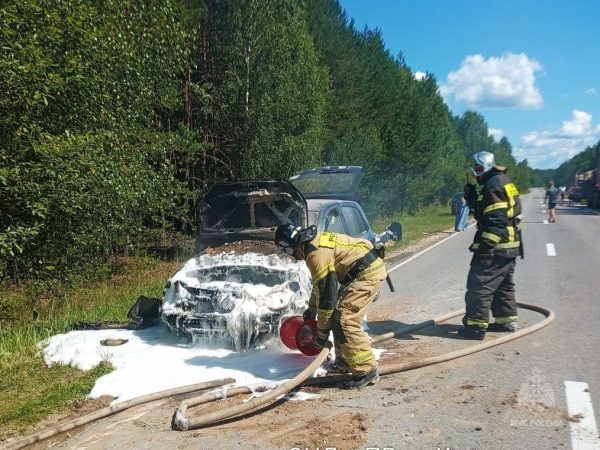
[335, 259]
[496, 245]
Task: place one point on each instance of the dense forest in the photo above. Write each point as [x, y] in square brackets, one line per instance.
[116, 115]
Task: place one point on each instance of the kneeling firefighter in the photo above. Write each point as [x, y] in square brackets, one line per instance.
[333, 260]
[496, 245]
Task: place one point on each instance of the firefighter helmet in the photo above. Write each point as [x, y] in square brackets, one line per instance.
[288, 236]
[484, 161]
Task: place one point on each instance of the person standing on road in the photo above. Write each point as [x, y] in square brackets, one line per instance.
[461, 221]
[551, 197]
[336, 259]
[495, 248]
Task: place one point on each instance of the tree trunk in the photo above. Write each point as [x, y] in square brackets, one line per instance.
[187, 99]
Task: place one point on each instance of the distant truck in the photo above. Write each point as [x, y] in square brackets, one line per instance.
[589, 183]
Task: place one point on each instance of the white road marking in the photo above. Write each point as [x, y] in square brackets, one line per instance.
[584, 432]
[416, 255]
[550, 250]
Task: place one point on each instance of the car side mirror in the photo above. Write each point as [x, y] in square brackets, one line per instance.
[396, 230]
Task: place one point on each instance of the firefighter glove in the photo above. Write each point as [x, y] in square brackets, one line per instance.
[309, 314]
[321, 339]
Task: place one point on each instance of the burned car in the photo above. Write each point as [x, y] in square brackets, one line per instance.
[324, 196]
[235, 298]
[241, 296]
[238, 291]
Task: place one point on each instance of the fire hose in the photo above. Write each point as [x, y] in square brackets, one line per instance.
[113, 409]
[181, 422]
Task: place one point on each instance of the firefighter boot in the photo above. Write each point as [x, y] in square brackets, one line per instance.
[358, 381]
[508, 327]
[338, 366]
[472, 332]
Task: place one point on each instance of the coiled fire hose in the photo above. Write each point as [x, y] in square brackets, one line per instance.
[182, 423]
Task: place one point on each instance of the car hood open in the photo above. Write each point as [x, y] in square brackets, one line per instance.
[333, 182]
[244, 210]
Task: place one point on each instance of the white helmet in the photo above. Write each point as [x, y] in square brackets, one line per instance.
[484, 161]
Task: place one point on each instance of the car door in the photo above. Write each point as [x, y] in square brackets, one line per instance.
[354, 221]
[332, 221]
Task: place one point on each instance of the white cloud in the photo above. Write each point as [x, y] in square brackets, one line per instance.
[579, 126]
[507, 81]
[496, 133]
[420, 75]
[548, 149]
[590, 91]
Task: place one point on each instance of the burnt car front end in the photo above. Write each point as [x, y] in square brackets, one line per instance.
[235, 299]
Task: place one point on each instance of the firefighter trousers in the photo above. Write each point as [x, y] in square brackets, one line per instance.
[351, 342]
[490, 286]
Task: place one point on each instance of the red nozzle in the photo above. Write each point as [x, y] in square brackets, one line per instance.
[305, 338]
[297, 334]
[288, 330]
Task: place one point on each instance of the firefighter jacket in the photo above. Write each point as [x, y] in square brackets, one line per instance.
[330, 257]
[496, 210]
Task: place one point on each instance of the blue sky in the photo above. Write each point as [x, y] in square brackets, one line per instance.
[531, 68]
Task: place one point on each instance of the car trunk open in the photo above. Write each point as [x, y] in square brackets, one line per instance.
[334, 182]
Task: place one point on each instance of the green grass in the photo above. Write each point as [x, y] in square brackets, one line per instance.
[431, 219]
[29, 390]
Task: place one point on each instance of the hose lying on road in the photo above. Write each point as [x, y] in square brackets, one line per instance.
[109, 410]
[182, 423]
[417, 326]
[403, 367]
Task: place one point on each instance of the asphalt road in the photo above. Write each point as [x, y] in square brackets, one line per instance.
[512, 396]
[518, 395]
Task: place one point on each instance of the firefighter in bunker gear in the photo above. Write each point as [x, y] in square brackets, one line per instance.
[495, 247]
[347, 274]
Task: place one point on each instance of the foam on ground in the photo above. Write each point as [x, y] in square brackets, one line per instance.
[154, 360]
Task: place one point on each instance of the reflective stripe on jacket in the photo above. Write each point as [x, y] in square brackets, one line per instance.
[497, 210]
[329, 257]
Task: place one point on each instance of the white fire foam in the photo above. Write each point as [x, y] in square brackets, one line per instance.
[243, 301]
